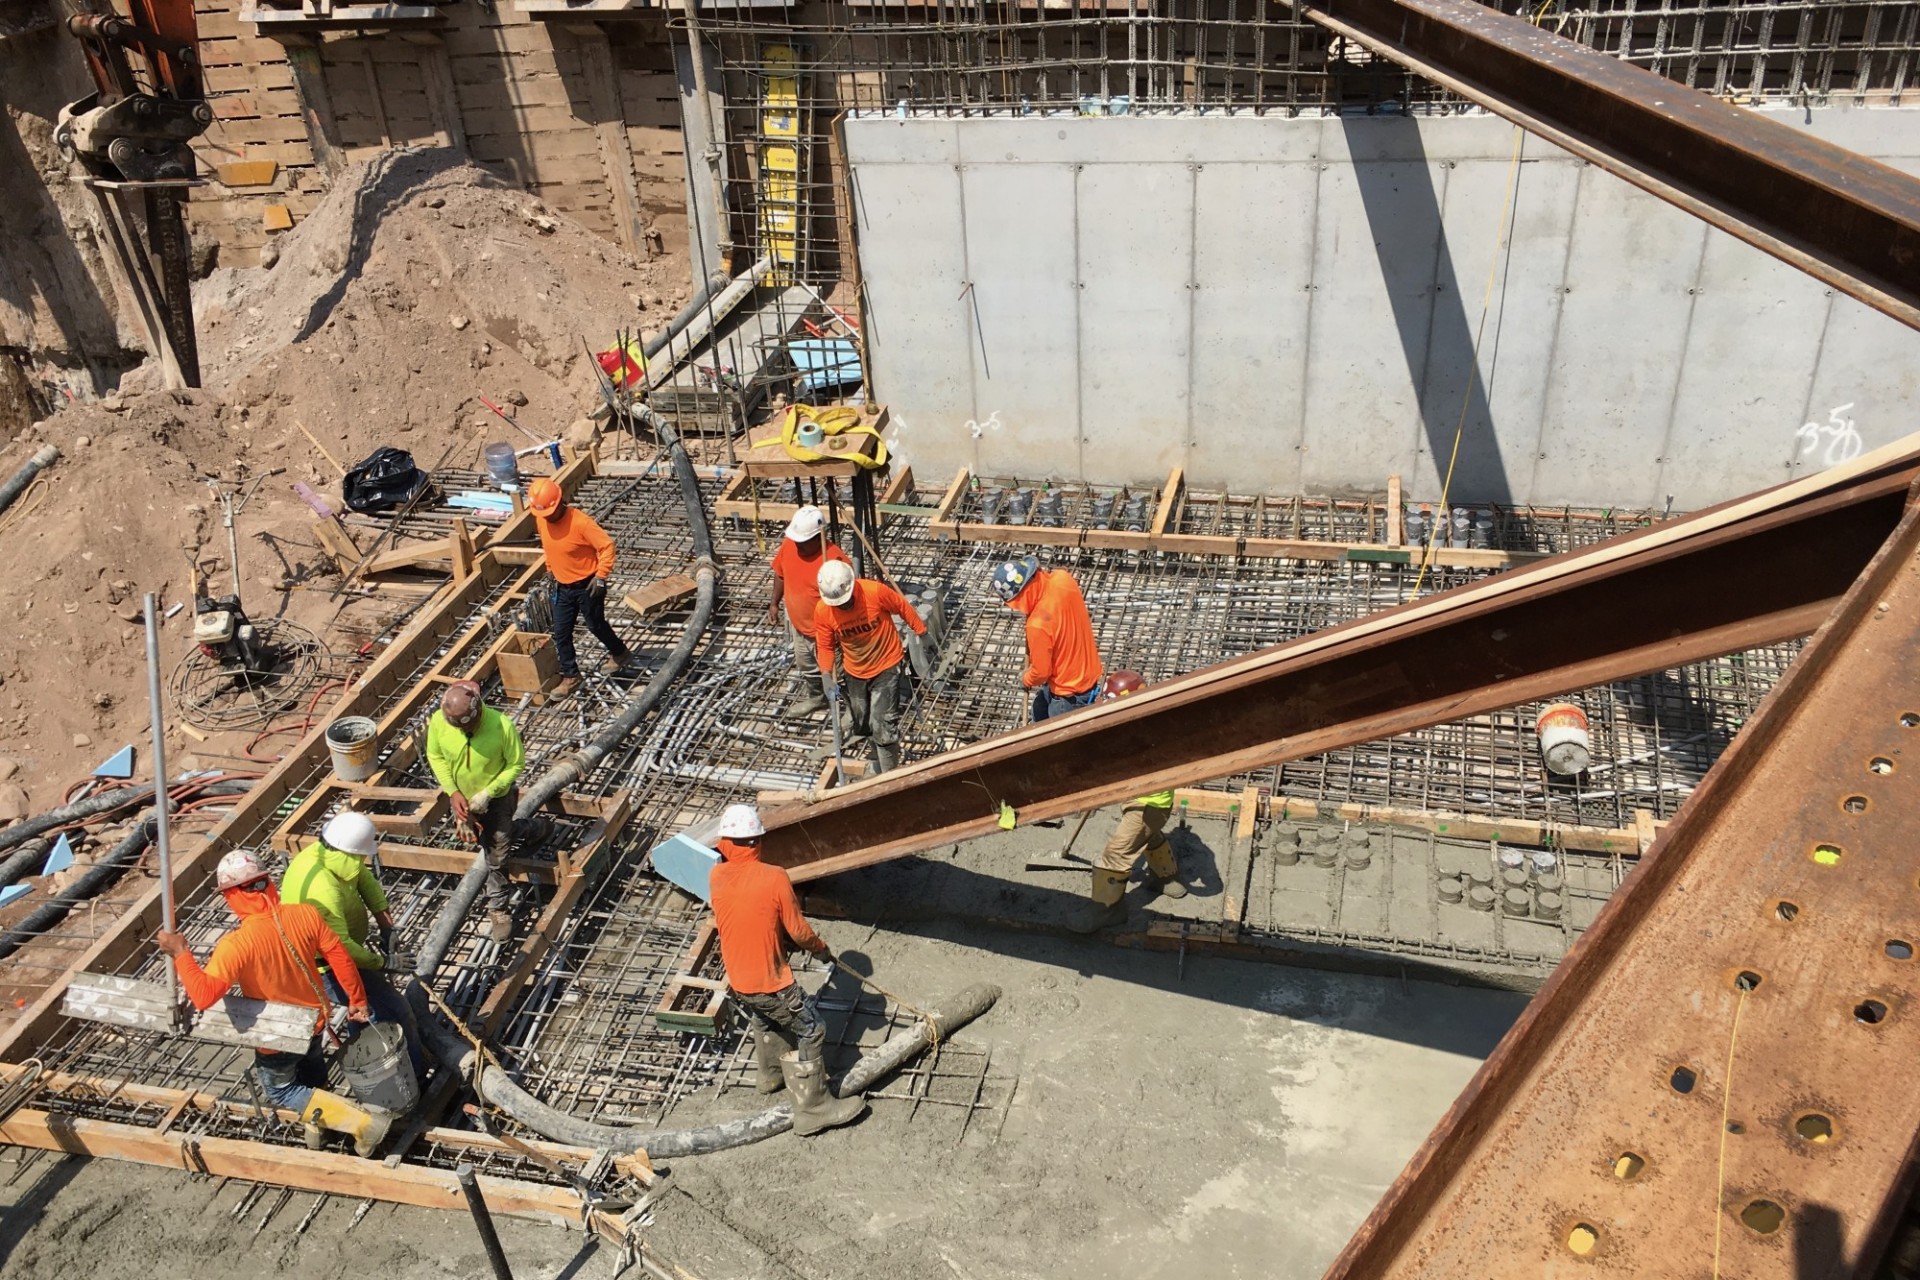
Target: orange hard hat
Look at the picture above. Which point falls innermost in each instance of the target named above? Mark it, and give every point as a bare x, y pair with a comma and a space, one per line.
1122, 683
544, 496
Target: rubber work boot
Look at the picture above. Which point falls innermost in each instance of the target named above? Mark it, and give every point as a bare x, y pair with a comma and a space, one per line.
1163, 871
566, 686
616, 663
886, 756
499, 925
331, 1111
807, 701
767, 1048
1107, 908
814, 1109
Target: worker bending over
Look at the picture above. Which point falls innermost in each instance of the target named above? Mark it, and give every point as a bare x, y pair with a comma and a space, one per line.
796, 568
759, 922
579, 558
270, 957
855, 620
476, 755
1063, 660
1142, 830
334, 875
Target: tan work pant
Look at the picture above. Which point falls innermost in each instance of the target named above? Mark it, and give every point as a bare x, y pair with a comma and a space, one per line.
1140, 831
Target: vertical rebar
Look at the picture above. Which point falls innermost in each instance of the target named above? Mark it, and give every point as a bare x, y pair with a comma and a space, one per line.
160, 818
483, 1222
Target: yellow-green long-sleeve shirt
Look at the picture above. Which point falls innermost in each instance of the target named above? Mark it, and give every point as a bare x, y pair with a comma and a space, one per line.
343, 889
489, 759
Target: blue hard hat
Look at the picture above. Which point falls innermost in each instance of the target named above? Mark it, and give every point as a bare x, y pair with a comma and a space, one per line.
1011, 578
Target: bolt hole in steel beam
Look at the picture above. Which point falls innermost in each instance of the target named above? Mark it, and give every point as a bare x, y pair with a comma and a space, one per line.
1746, 980
1814, 1128
1899, 949
1683, 1079
1827, 855
1786, 911
1910, 719
1763, 1216
1583, 1240
1880, 765
1629, 1165
1735, 1128
1870, 1012
1855, 804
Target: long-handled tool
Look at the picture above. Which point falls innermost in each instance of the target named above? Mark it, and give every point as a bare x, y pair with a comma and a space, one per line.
1065, 860
833, 713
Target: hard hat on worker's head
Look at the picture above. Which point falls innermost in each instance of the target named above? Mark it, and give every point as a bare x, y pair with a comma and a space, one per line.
1011, 578
239, 869
835, 581
352, 833
461, 703
1122, 683
544, 496
741, 822
807, 523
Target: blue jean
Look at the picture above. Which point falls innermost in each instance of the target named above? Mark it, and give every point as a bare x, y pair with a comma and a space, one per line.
571, 602
1047, 703
289, 1079
385, 1004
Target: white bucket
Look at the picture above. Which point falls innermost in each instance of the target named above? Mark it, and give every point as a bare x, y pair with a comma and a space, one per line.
1562, 728
377, 1069
353, 741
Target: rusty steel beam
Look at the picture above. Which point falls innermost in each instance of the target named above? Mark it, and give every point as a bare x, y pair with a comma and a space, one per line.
1748, 573
1717, 1079
1850, 221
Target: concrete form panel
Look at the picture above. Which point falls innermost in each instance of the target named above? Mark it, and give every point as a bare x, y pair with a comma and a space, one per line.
1025, 310
1136, 315
1863, 388
1254, 227
1623, 324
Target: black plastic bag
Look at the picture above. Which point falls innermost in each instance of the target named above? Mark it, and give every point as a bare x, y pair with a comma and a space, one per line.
387, 478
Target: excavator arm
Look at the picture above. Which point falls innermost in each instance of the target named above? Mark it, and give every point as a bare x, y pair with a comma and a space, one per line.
131, 140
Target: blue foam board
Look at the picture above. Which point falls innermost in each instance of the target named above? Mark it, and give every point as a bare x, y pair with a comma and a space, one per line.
118, 765
687, 863
13, 893
59, 858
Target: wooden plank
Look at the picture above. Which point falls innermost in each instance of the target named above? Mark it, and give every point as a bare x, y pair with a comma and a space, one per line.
616, 154
248, 173
1396, 514
437, 77
949, 503
1625, 841
419, 555
1163, 517
658, 595
454, 862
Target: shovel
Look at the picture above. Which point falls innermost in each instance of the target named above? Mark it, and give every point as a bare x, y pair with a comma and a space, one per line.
1065, 859
833, 712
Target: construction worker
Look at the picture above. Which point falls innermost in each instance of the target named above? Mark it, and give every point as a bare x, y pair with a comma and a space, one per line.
1142, 829
796, 568
580, 560
334, 875
759, 922
270, 957
476, 755
1063, 660
854, 619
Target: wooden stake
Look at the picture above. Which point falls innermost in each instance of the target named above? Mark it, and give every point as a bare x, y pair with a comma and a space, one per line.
322, 448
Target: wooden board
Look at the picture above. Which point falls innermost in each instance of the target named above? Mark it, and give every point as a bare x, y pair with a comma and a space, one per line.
660, 594
765, 457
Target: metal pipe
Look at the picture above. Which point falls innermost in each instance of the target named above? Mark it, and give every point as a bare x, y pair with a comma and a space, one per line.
715, 282
157, 714
483, 1222
96, 878
696, 53
582, 762
716, 310
17, 483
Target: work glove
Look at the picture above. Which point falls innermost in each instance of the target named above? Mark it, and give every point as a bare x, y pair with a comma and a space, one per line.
477, 803
827, 957
833, 690
401, 961
597, 588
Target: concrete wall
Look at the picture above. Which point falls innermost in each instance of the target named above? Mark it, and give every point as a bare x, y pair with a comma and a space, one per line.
1291, 305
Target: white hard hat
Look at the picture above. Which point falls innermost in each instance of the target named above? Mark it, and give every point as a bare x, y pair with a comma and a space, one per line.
806, 522
835, 581
239, 867
741, 822
352, 833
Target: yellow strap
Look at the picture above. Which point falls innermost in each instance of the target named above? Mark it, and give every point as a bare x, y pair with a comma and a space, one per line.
833, 420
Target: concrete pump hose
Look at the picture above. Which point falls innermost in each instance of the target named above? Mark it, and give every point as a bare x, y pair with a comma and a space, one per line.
497, 1088
24, 860
17, 483
107, 801
688, 314
93, 881
541, 790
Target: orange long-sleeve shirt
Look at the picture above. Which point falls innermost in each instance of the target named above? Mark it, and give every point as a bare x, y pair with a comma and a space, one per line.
799, 585
255, 958
862, 629
757, 916
1061, 651
576, 547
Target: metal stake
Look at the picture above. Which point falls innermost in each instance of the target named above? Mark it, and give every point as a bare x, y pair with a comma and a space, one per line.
158, 714
489, 1239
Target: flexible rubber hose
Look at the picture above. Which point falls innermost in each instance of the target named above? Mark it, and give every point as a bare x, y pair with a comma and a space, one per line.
105, 802
91, 882
22, 863
17, 483
498, 1088
715, 282
577, 765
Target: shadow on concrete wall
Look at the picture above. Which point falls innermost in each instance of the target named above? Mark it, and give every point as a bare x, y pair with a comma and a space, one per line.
1430, 314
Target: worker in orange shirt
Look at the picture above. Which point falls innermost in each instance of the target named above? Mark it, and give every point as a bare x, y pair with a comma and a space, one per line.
580, 560
759, 922
1063, 660
271, 957
796, 567
855, 620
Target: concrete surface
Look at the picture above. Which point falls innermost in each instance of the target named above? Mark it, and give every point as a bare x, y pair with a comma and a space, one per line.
1290, 306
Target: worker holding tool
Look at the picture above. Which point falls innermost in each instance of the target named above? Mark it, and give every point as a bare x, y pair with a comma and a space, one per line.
476, 755
334, 875
1063, 659
854, 619
270, 957
759, 922
580, 560
796, 569
1141, 830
